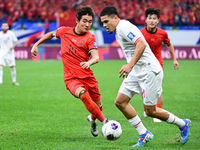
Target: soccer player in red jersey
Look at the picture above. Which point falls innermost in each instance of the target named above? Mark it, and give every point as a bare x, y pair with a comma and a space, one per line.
154, 37
77, 46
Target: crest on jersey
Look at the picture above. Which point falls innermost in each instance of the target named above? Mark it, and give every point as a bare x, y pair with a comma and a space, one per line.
80, 43
131, 36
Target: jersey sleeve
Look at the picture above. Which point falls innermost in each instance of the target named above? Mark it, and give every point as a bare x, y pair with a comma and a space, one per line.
14, 37
131, 34
59, 31
92, 45
166, 38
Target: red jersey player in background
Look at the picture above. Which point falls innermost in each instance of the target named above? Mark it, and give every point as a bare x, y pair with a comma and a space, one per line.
154, 37
77, 46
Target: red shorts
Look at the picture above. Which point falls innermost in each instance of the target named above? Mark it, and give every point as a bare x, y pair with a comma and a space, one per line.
90, 84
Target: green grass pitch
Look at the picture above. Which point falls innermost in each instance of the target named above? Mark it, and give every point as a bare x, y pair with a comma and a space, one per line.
41, 114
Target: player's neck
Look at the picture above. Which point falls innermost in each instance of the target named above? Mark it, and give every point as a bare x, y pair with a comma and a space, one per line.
78, 32
152, 30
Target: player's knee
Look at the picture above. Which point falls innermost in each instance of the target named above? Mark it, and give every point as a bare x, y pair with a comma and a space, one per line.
119, 104
82, 93
150, 112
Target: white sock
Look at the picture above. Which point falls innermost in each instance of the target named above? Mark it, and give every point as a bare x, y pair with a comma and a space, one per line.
175, 120
138, 125
13, 74
1, 74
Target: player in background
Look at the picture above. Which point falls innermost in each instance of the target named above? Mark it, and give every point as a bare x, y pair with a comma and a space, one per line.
154, 37
143, 75
77, 45
8, 41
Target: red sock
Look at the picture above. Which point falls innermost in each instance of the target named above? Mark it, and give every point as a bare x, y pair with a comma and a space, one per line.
92, 116
159, 105
92, 106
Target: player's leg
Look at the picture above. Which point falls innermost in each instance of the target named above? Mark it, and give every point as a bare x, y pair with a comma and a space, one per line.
11, 63
92, 119
90, 105
170, 118
122, 103
1, 74
99, 104
2, 63
159, 105
78, 88
14, 74
153, 89
93, 89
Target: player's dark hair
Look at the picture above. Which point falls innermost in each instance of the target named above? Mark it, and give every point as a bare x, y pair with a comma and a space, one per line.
84, 11
110, 11
4, 22
152, 11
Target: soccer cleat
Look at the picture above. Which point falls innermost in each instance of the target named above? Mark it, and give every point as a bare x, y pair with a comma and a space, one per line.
156, 120
143, 139
185, 131
16, 83
145, 115
94, 128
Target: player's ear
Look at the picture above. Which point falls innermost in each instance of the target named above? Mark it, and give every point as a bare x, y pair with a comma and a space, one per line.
77, 21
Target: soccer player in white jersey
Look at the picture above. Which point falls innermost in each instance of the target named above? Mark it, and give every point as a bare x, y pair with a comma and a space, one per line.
143, 74
8, 41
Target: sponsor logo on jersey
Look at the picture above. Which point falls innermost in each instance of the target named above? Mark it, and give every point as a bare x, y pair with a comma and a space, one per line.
131, 36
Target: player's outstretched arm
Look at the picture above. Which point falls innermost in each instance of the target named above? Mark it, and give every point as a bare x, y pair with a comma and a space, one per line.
46, 37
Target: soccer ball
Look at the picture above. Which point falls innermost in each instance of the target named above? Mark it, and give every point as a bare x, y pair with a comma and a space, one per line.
111, 130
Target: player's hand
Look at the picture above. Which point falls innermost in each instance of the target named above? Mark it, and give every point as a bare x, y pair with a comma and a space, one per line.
176, 65
85, 65
34, 51
124, 71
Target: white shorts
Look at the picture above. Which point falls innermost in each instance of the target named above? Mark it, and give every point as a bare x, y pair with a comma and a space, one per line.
7, 61
149, 84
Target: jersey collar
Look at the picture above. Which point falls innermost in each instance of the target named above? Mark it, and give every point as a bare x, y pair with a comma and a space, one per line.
151, 32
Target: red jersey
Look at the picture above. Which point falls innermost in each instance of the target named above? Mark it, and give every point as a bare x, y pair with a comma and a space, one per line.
155, 41
75, 49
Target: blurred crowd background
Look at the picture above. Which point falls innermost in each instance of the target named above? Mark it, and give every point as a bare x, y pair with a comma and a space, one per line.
173, 12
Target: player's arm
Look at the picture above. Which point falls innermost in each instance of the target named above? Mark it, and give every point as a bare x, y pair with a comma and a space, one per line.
14, 45
171, 51
94, 59
140, 47
46, 37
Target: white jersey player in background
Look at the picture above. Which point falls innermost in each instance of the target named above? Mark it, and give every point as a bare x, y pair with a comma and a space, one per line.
8, 41
143, 75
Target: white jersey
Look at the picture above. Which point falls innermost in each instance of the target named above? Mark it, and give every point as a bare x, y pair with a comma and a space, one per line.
127, 36
6, 41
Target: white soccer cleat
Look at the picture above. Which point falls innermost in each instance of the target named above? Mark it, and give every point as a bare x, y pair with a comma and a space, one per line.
145, 115
94, 128
156, 120
16, 83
